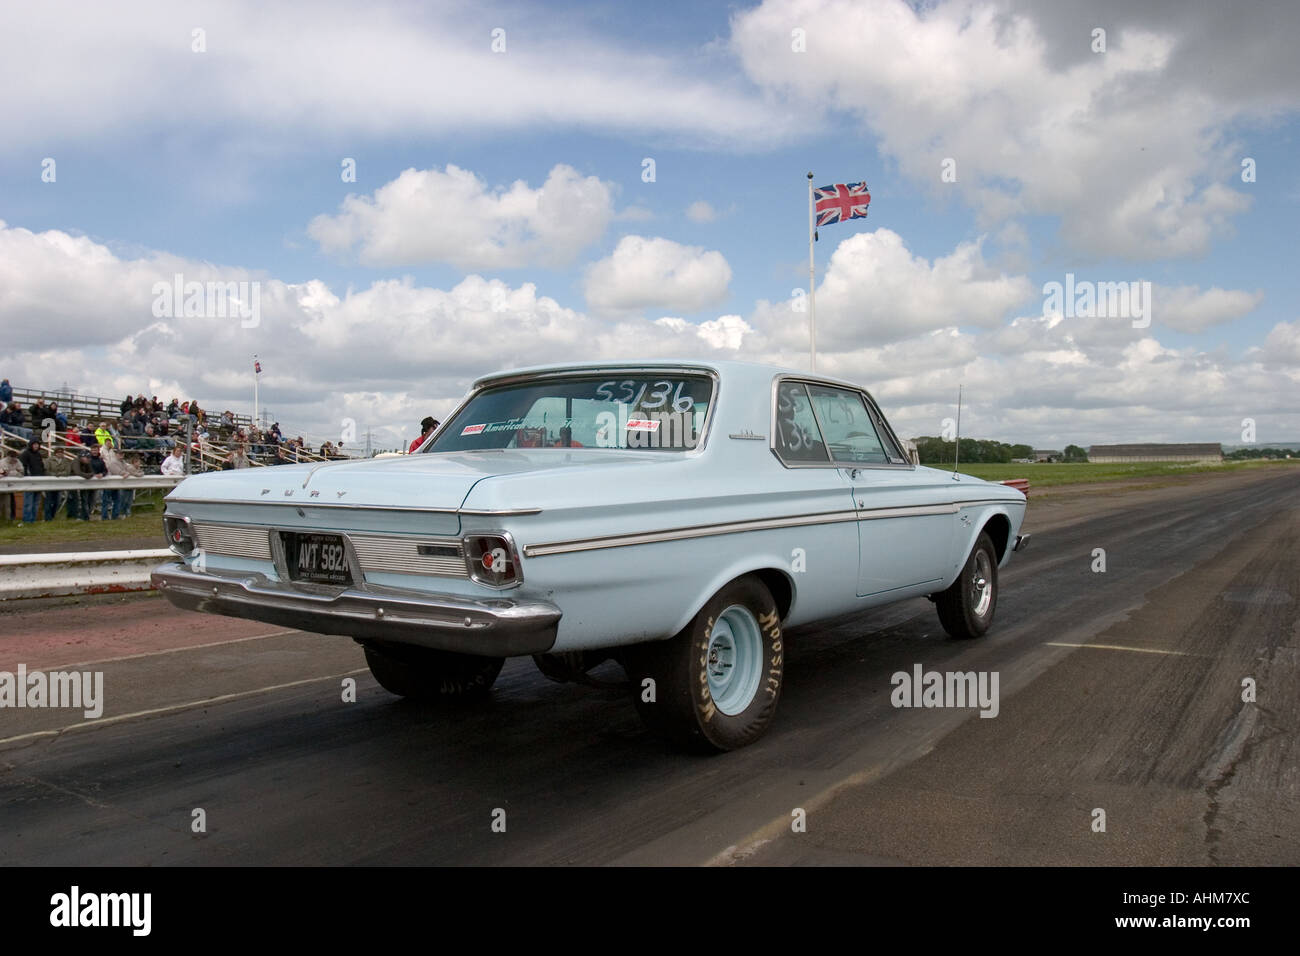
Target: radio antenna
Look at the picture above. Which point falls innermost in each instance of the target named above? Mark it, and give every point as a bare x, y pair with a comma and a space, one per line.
956, 455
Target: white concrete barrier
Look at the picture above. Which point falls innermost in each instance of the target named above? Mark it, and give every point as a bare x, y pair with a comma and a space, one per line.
55, 483
77, 572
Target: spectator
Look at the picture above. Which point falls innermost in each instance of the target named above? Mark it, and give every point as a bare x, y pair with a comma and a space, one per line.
57, 466
238, 457
127, 404
87, 435
10, 467
117, 500
6, 392
80, 502
60, 419
102, 435
100, 471
280, 457
173, 408
13, 416
428, 425
33, 467
174, 464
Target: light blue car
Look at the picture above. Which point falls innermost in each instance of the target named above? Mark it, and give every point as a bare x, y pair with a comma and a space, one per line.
674, 516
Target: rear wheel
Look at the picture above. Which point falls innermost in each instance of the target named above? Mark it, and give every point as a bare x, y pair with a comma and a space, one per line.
422, 673
966, 608
715, 686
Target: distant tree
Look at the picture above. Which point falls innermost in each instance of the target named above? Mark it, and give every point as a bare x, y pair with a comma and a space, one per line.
1243, 454
1075, 453
936, 451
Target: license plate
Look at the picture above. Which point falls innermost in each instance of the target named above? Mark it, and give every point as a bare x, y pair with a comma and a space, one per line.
317, 558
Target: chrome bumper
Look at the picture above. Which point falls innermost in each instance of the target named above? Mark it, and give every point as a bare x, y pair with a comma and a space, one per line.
493, 627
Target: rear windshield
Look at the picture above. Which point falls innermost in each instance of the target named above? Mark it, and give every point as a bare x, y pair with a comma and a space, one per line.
641, 412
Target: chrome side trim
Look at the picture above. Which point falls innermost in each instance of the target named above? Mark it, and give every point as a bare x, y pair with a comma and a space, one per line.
732, 527
910, 511
491, 512
311, 504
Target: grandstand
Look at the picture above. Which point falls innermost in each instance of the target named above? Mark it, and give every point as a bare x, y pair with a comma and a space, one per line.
146, 453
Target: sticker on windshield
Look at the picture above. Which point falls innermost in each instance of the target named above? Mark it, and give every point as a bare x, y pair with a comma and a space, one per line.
642, 425
472, 429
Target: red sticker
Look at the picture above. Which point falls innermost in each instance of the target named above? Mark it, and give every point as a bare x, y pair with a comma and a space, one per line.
642, 425
472, 429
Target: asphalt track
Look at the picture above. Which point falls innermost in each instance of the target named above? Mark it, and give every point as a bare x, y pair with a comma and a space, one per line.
1119, 691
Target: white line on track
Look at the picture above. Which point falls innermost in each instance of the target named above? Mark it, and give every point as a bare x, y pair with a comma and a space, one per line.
173, 708
1120, 647
175, 650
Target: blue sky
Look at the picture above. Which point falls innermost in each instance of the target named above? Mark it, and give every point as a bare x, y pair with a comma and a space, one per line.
499, 215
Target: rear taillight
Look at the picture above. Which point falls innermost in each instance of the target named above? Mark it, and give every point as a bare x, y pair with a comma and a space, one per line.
179, 535
492, 560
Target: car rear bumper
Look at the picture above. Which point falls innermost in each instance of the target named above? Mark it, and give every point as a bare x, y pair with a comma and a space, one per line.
493, 627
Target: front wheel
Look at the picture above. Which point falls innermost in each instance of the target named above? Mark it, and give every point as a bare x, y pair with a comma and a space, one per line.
966, 608
423, 673
715, 686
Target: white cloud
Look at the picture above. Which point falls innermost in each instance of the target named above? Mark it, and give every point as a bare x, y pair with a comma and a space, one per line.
1124, 146
876, 291
452, 216
274, 76
1282, 347
390, 353
701, 211
1188, 309
646, 273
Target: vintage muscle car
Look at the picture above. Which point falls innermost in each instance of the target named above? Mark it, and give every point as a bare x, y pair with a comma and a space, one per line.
673, 516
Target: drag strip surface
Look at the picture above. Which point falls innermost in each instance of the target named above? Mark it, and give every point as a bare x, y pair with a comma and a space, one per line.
1118, 690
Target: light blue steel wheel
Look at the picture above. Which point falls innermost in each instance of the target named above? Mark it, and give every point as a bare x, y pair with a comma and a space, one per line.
735, 660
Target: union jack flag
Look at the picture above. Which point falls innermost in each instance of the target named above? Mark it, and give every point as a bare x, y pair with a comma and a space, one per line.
841, 201
257, 367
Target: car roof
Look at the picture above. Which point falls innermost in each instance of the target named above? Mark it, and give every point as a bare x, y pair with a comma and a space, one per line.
724, 368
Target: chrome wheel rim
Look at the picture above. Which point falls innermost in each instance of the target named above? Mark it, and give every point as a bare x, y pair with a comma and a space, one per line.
734, 660
981, 586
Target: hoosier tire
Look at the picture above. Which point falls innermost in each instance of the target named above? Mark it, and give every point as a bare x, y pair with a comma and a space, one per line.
422, 673
716, 684
966, 608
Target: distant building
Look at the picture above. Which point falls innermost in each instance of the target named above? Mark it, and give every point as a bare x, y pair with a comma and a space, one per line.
1114, 454
1048, 454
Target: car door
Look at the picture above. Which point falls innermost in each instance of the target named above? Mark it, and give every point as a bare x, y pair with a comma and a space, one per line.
905, 523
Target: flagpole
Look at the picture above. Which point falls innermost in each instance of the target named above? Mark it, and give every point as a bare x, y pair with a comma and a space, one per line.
812, 284
255, 377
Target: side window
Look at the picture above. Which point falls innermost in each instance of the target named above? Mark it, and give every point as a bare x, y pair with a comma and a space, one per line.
847, 425
797, 437
890, 442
